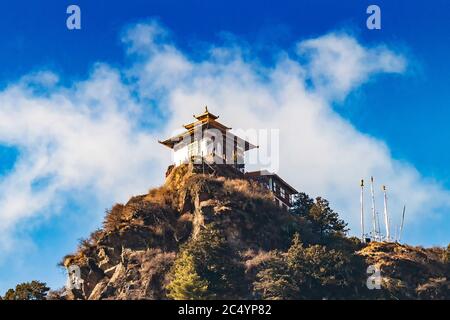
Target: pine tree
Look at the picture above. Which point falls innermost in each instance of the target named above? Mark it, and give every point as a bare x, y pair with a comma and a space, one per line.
217, 263
34, 290
302, 204
186, 284
10, 295
283, 276
295, 254
313, 272
214, 263
274, 281
325, 221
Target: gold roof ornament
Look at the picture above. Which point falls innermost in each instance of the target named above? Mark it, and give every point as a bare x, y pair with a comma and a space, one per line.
206, 115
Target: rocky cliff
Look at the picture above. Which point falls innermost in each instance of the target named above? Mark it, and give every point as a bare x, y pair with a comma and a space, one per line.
133, 255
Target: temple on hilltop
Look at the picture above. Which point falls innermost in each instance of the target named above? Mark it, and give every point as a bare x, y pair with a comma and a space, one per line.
207, 142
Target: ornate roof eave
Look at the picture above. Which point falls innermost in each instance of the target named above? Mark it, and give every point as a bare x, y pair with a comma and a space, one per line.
171, 142
205, 120
212, 123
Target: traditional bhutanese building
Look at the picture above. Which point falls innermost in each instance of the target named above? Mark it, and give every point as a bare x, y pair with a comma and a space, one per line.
282, 191
206, 140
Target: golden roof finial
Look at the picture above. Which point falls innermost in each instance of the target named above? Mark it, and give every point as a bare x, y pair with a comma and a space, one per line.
206, 115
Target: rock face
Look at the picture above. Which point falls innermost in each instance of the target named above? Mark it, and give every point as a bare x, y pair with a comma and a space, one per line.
131, 256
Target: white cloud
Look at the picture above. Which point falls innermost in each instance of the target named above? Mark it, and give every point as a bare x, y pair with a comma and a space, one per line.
85, 138
338, 63
89, 137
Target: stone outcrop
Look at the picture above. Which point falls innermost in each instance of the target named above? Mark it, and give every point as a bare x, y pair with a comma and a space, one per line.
130, 257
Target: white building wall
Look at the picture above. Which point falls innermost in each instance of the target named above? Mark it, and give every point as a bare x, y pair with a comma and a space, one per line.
205, 147
180, 155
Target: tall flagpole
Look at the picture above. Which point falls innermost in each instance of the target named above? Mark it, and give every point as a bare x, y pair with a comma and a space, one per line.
401, 225
362, 210
373, 209
386, 217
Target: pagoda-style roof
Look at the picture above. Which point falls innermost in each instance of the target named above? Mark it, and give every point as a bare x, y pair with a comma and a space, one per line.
206, 115
209, 118
205, 120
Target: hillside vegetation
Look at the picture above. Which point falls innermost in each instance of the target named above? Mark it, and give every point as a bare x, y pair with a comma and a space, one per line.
203, 236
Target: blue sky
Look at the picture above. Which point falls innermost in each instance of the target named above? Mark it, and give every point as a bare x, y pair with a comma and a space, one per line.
407, 111
36, 37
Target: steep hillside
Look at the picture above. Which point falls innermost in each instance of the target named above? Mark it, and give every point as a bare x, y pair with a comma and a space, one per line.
221, 236
410, 272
